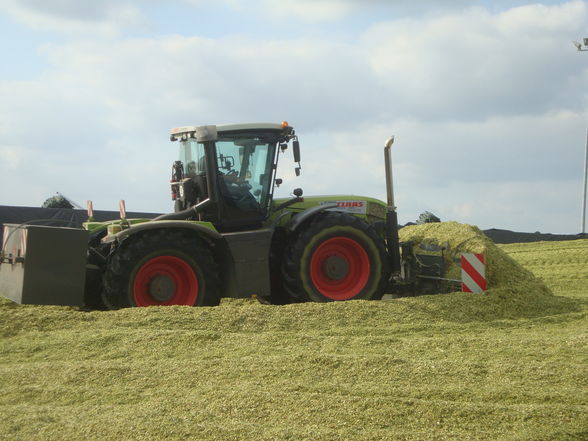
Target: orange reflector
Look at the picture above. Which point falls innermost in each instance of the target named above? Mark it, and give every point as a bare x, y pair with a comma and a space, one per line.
284, 124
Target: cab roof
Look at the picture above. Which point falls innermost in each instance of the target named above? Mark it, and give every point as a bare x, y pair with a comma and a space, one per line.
231, 127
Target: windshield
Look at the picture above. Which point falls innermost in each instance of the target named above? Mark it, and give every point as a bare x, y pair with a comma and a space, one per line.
246, 162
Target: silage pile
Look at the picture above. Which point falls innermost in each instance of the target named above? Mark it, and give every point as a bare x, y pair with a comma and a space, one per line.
513, 291
502, 271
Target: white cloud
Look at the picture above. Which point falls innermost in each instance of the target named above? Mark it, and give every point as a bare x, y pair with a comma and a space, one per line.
542, 205
474, 64
463, 211
311, 10
522, 173
482, 104
333, 10
12, 156
104, 17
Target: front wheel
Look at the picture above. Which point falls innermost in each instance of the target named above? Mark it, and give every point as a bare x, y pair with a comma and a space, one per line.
161, 268
336, 257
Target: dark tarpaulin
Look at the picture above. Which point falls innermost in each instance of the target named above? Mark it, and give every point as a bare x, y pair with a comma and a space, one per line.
506, 236
58, 217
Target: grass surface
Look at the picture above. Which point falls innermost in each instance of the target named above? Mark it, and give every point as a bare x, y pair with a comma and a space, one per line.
446, 367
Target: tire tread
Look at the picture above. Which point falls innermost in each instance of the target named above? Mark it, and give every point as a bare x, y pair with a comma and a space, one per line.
123, 260
291, 264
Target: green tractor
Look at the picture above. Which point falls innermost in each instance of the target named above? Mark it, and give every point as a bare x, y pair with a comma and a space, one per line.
227, 237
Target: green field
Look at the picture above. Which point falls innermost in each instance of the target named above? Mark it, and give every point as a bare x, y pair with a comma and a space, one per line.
508, 365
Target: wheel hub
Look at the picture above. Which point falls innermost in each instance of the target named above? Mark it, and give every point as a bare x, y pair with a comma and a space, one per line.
162, 288
340, 268
336, 267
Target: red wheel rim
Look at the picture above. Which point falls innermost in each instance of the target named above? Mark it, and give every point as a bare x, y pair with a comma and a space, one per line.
165, 280
340, 268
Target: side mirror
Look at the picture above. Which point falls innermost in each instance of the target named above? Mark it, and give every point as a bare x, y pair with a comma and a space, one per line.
296, 150
297, 192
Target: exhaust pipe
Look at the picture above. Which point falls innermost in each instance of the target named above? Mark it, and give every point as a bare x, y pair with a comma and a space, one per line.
391, 215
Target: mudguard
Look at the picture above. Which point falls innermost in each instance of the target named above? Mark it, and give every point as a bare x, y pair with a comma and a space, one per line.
299, 219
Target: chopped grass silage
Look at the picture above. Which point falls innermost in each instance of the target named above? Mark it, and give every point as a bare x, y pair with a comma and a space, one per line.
447, 367
513, 291
502, 270
563, 266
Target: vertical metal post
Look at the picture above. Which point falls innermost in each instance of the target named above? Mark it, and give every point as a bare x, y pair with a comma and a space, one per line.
583, 226
391, 216
388, 167
585, 186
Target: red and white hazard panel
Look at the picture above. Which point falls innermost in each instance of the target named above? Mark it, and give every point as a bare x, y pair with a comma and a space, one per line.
473, 273
90, 209
123, 209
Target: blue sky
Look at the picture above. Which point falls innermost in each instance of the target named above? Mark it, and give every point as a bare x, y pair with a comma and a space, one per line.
487, 100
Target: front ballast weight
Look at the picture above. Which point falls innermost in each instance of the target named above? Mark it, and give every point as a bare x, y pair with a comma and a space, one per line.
41, 265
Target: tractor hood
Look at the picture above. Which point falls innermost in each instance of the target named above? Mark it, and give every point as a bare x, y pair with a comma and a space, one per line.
361, 206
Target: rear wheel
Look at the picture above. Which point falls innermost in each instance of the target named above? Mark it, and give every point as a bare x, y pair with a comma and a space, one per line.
161, 268
337, 257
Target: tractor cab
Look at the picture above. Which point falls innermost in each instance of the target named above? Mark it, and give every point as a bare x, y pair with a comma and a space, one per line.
226, 174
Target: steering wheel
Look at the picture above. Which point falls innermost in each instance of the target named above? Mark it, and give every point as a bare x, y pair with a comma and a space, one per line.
233, 179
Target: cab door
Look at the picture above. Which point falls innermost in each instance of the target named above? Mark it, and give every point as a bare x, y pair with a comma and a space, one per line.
245, 168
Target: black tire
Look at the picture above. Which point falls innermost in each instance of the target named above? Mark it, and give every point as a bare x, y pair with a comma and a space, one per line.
161, 268
93, 298
336, 256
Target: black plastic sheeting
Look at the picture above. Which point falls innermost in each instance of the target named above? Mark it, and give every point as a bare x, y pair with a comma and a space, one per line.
506, 236
58, 217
